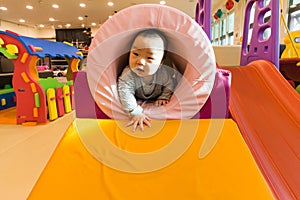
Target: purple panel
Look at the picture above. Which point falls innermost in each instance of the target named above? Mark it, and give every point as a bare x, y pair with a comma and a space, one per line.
260, 48
85, 106
217, 105
203, 16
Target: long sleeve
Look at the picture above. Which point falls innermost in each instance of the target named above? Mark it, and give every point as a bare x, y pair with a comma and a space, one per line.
126, 89
168, 82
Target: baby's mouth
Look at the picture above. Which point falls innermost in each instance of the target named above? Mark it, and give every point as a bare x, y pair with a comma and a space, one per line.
140, 69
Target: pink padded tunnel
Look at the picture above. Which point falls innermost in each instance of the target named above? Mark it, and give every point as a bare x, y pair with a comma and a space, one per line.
188, 47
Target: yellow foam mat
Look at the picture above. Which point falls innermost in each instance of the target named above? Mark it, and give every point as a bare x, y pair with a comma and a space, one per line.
100, 159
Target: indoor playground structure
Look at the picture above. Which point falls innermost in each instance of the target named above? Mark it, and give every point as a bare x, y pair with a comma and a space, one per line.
38, 100
290, 59
217, 138
7, 97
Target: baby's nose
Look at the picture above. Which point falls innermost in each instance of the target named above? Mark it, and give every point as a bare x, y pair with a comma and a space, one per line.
142, 61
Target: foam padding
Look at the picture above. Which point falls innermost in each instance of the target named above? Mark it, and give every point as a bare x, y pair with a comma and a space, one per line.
75, 172
188, 46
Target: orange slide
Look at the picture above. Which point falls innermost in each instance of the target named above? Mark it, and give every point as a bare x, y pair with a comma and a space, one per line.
267, 111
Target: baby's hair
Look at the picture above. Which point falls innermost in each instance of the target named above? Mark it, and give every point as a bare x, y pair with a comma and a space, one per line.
154, 33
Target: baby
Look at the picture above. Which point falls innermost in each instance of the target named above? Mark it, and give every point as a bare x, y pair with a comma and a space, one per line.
146, 78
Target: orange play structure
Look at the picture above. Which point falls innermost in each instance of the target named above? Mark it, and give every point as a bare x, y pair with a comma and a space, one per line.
252, 155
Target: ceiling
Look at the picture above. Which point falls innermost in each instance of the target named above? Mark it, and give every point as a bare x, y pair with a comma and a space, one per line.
96, 11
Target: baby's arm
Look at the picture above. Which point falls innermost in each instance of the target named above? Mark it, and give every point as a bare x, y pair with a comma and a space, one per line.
126, 89
167, 90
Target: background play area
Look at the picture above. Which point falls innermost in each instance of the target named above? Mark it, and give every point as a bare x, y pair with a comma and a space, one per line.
47, 108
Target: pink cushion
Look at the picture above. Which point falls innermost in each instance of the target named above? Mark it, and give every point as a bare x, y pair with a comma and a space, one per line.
189, 47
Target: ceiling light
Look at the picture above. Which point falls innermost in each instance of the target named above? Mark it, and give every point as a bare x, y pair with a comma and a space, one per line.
162, 2
59, 26
82, 5
110, 3
29, 7
41, 25
55, 6
109, 16
68, 25
22, 20
82, 25
80, 18
51, 19
3, 8
93, 24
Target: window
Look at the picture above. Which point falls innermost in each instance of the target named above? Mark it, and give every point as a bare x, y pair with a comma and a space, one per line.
215, 34
294, 15
223, 30
295, 2
230, 28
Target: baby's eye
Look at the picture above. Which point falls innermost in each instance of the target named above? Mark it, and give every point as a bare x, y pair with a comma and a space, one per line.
150, 58
136, 54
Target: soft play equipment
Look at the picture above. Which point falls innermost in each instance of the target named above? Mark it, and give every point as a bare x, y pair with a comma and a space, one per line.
265, 106
292, 49
203, 16
7, 97
31, 98
60, 97
260, 47
192, 58
290, 58
195, 65
178, 157
7, 93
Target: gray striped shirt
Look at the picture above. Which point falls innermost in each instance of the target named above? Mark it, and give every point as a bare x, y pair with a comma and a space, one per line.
132, 88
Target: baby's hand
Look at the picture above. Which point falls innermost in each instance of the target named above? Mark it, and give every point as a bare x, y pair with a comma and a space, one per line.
139, 120
161, 102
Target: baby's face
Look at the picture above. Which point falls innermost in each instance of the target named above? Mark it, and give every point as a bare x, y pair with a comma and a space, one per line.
146, 55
